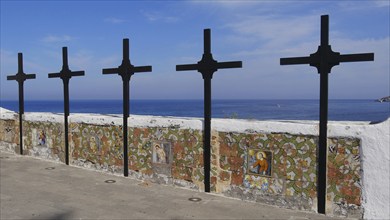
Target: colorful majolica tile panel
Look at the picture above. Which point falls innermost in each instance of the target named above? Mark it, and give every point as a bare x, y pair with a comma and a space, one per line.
260, 162
8, 131
344, 171
97, 144
44, 139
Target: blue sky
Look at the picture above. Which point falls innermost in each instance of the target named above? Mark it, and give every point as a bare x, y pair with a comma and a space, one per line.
166, 33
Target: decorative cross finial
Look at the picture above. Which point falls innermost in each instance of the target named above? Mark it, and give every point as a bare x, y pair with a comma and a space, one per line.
207, 66
126, 70
20, 77
324, 59
65, 74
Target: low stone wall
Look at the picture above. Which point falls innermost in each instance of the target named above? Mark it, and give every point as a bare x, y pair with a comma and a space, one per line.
263, 161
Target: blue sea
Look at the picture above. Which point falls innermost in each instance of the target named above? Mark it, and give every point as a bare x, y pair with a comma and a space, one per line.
339, 110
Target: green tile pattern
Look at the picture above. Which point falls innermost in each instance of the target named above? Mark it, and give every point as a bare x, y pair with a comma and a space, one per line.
44, 139
344, 172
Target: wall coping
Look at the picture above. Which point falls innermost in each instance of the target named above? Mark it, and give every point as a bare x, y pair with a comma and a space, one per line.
298, 127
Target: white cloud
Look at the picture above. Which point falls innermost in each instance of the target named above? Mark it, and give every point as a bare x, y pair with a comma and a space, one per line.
31, 65
230, 3
57, 38
363, 5
276, 28
263, 39
382, 3
7, 58
240, 4
114, 20
157, 16
269, 34
9, 63
81, 59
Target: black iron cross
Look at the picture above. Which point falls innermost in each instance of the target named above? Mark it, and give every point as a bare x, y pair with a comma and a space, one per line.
207, 66
20, 77
65, 74
324, 59
126, 70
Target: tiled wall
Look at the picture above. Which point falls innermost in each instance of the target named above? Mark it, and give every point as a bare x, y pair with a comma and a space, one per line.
9, 135
172, 155
44, 139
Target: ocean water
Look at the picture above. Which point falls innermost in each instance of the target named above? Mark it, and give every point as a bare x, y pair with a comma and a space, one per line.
339, 110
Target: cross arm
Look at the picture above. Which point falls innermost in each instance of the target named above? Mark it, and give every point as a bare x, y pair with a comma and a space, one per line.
11, 77
221, 65
30, 76
110, 71
21, 77
357, 57
54, 75
69, 74
294, 60
186, 67
138, 69
226, 65
78, 73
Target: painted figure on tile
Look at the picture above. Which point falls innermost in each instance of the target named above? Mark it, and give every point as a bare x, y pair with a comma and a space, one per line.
161, 156
161, 152
259, 162
41, 138
92, 144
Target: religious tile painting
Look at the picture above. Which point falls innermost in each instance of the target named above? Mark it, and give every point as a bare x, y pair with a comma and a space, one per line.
259, 162
41, 137
161, 152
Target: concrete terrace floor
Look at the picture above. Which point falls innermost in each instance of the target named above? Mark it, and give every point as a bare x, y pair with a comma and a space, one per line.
37, 189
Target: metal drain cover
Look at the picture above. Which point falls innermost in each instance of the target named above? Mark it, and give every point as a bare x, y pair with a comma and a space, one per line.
195, 199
